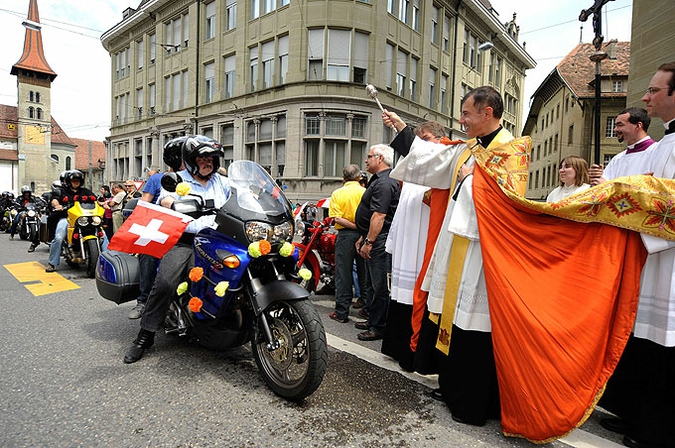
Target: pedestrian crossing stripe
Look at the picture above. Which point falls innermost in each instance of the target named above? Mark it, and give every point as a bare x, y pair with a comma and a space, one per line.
33, 276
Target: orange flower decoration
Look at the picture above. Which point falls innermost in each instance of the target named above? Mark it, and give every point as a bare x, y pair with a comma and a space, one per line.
265, 247
196, 274
195, 304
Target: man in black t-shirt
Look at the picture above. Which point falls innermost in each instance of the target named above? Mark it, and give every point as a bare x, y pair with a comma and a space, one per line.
373, 219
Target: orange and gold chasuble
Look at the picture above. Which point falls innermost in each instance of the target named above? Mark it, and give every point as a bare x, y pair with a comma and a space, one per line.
562, 292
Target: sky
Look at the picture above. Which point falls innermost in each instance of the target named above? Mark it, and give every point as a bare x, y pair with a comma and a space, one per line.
71, 31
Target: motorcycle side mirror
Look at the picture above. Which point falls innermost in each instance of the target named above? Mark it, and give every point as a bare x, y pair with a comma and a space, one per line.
170, 180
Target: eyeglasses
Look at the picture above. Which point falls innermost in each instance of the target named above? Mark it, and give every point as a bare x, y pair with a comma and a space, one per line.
653, 90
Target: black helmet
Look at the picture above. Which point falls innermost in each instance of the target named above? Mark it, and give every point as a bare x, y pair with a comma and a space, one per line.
26, 189
57, 184
63, 177
201, 146
74, 174
173, 153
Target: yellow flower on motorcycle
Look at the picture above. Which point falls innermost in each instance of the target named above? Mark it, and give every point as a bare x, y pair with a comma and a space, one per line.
196, 274
182, 288
195, 304
221, 288
254, 249
305, 274
286, 249
182, 189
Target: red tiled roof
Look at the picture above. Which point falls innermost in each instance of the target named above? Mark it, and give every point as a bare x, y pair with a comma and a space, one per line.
33, 57
82, 153
578, 70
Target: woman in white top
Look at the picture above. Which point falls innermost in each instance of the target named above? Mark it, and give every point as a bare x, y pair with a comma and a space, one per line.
573, 178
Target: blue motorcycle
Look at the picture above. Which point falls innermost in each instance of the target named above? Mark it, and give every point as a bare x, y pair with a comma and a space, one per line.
243, 284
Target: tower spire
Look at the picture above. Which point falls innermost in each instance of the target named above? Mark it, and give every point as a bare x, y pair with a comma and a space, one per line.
33, 58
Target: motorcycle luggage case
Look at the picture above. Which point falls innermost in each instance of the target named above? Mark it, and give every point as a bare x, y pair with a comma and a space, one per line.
118, 276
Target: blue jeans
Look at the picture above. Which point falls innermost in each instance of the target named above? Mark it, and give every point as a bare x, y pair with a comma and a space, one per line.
345, 256
59, 235
172, 271
15, 222
378, 273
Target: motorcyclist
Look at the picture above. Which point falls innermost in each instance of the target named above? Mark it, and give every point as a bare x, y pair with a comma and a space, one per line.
54, 216
6, 201
201, 157
73, 180
21, 202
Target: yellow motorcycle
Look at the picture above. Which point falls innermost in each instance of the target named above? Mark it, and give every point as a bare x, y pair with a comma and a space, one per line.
85, 234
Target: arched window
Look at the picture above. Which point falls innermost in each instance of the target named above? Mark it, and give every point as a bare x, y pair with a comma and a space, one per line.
37, 97
67, 162
31, 112
39, 113
55, 158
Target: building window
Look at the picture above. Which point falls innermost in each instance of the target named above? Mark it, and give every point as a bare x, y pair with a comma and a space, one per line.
230, 76
177, 34
210, 31
268, 64
401, 73
446, 34
227, 141
416, 15
139, 103
432, 88
339, 45
332, 142
444, 94
434, 25
283, 59
609, 128
253, 68
230, 14
266, 144
153, 50
140, 53
391, 6
617, 86
567, 104
31, 112
361, 43
55, 158
315, 54
209, 82
498, 72
404, 11
39, 113
151, 97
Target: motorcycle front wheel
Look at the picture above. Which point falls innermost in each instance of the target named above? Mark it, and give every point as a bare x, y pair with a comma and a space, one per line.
91, 252
296, 368
33, 232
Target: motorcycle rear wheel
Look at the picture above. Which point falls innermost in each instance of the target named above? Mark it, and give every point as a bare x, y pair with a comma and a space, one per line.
91, 251
295, 369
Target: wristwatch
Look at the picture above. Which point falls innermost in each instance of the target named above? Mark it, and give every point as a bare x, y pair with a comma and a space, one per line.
367, 241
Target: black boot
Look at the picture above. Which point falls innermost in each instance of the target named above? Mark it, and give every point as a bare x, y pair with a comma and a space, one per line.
144, 340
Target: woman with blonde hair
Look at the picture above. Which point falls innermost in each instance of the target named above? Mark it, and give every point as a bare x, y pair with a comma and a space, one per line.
573, 178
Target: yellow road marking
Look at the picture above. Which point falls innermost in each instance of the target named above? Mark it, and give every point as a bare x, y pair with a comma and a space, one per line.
37, 281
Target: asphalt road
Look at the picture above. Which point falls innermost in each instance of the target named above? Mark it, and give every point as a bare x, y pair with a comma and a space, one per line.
63, 383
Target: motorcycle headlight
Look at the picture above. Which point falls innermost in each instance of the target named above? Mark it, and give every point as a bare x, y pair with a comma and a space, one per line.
256, 231
96, 220
282, 232
13, 213
31, 213
83, 221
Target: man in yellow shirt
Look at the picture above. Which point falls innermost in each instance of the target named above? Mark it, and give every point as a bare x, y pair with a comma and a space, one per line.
343, 204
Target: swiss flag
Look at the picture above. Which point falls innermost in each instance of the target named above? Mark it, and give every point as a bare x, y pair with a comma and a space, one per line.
150, 229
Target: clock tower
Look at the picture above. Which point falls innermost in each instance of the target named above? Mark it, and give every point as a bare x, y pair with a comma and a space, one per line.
34, 127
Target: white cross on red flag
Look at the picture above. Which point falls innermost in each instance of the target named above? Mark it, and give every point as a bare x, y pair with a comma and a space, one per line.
150, 229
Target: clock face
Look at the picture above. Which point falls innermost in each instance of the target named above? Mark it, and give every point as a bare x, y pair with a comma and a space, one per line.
33, 135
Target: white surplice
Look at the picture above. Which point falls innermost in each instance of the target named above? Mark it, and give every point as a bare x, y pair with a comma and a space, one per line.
406, 241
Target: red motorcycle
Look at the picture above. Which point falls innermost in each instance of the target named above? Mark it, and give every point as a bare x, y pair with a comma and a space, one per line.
317, 253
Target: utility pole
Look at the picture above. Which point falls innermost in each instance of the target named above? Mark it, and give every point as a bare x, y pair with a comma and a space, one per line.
598, 56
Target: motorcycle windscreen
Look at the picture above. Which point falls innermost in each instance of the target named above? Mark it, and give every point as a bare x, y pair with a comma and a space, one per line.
256, 192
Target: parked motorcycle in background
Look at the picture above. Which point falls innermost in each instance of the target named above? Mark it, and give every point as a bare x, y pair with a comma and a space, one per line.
240, 287
317, 253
